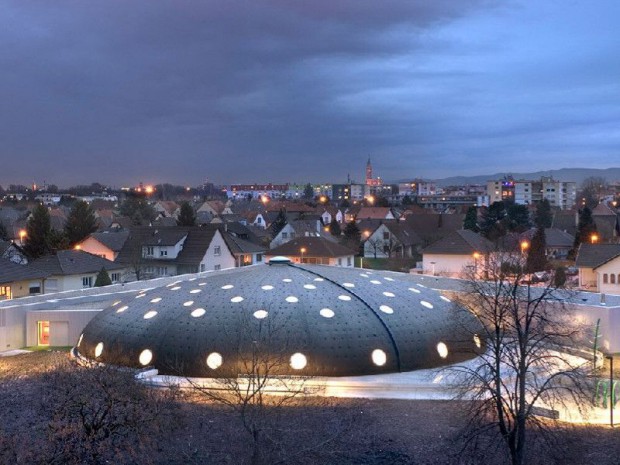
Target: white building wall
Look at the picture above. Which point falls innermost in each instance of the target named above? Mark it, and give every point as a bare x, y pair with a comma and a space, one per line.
445, 264
221, 261
609, 269
76, 320
94, 247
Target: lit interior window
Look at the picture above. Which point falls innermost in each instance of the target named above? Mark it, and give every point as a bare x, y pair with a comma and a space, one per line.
292, 299
309, 286
195, 291
476, 341
228, 286
445, 298
327, 313
442, 350
375, 281
260, 314
155, 300
426, 304
214, 360
378, 357
198, 312
150, 314
386, 309
99, 349
80, 339
318, 280
237, 299
346, 298
348, 284
145, 357
413, 289
189, 303
267, 287
175, 288
388, 294
298, 361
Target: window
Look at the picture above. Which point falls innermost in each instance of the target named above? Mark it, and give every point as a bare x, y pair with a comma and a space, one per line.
386, 235
115, 277
259, 257
605, 278
43, 333
5, 292
348, 261
339, 261
217, 250
163, 253
149, 251
284, 235
217, 267
203, 267
612, 279
34, 288
259, 220
87, 281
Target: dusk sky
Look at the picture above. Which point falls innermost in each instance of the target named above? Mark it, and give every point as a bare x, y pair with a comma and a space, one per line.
121, 91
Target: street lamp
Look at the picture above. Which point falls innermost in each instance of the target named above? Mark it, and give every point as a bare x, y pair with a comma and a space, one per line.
22, 235
303, 251
593, 238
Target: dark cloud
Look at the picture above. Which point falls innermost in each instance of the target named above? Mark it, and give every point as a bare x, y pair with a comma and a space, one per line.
238, 91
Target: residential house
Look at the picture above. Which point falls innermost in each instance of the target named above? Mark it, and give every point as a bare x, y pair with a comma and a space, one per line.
167, 208
607, 225
599, 267
392, 239
19, 280
375, 213
69, 270
295, 229
153, 252
450, 255
245, 252
434, 226
105, 244
314, 250
558, 243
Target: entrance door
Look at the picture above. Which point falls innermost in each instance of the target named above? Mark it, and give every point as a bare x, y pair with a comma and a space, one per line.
43, 333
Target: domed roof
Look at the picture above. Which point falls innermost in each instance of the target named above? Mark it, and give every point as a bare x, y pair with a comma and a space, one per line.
308, 320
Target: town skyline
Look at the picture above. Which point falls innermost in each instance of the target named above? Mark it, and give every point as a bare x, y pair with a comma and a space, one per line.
269, 91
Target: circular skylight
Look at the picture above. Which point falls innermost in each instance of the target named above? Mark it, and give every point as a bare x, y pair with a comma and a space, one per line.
291, 299
386, 309
442, 350
378, 357
237, 299
214, 360
150, 314
99, 349
327, 313
198, 312
145, 357
298, 361
261, 314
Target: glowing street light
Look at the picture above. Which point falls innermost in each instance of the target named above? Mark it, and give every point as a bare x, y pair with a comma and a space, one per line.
22, 235
593, 238
524, 246
149, 190
303, 251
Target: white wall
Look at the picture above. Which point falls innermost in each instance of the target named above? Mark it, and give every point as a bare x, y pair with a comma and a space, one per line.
95, 247
76, 320
446, 264
612, 267
210, 260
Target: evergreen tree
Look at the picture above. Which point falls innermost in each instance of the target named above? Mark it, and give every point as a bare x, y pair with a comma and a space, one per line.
278, 223
38, 231
518, 218
492, 225
585, 229
559, 279
57, 240
308, 192
187, 217
406, 201
543, 216
471, 219
80, 223
334, 228
103, 278
352, 236
537, 257
139, 210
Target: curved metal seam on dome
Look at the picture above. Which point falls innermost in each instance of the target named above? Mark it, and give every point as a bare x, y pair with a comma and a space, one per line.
372, 310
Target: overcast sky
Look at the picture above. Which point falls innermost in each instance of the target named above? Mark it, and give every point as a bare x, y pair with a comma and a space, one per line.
121, 91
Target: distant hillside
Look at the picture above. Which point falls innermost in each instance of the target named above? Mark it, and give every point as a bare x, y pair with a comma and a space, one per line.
564, 174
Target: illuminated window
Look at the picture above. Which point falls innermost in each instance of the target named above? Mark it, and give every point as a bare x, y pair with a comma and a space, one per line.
43, 333
5, 292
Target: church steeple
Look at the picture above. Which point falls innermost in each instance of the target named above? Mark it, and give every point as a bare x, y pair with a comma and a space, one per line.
368, 170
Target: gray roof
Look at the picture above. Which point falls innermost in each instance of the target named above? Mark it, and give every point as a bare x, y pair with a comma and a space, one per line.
241, 246
316, 246
11, 272
112, 240
69, 262
461, 242
595, 255
335, 321
565, 220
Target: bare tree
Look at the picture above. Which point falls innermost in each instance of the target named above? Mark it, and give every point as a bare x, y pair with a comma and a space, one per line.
257, 387
528, 361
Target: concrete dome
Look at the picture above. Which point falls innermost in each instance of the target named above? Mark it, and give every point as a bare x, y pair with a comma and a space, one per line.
310, 320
